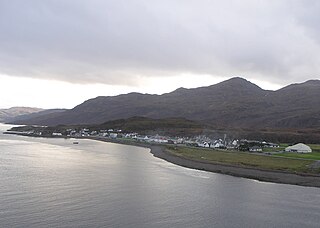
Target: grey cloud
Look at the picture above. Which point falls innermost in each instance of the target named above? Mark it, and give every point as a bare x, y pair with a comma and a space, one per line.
115, 42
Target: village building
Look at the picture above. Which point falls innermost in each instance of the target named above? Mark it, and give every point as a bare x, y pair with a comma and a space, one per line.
218, 144
299, 148
113, 135
255, 149
204, 144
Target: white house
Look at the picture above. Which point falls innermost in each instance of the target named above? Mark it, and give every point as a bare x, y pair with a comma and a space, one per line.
113, 135
204, 144
255, 149
218, 145
299, 148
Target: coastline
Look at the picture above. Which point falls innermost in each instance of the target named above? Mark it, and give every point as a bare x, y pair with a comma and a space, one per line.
280, 177
273, 176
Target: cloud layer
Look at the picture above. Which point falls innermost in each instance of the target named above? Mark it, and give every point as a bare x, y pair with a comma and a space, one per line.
120, 42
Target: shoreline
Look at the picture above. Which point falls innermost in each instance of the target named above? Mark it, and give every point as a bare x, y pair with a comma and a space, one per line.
273, 176
279, 177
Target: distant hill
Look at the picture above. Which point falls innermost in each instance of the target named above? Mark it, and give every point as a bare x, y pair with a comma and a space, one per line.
235, 103
36, 116
7, 114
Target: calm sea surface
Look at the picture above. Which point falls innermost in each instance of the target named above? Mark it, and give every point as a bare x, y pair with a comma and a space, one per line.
55, 183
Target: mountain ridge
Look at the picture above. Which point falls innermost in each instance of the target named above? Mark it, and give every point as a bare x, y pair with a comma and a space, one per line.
234, 103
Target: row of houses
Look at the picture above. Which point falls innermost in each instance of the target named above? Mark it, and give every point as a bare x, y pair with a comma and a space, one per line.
198, 141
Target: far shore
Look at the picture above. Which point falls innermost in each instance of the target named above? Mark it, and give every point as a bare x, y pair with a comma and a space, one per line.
274, 176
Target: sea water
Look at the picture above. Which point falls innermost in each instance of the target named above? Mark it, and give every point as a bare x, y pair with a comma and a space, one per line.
55, 183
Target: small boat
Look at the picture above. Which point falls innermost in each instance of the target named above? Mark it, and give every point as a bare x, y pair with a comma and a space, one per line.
75, 142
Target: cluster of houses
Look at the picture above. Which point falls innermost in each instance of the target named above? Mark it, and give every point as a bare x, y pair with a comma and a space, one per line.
198, 141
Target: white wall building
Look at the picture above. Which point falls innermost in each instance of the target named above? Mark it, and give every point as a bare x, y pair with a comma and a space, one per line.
299, 148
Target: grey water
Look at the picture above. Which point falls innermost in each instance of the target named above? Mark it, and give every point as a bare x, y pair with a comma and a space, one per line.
55, 183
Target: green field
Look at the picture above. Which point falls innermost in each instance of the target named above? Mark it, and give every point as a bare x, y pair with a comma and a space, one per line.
315, 147
243, 159
315, 155
312, 156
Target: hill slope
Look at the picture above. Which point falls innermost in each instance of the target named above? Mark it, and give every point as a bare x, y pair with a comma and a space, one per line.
235, 103
36, 116
7, 114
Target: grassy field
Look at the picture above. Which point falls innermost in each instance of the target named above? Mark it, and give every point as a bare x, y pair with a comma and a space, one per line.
315, 147
312, 156
243, 159
315, 155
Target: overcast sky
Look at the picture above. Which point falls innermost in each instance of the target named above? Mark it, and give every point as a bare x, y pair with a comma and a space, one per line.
57, 53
